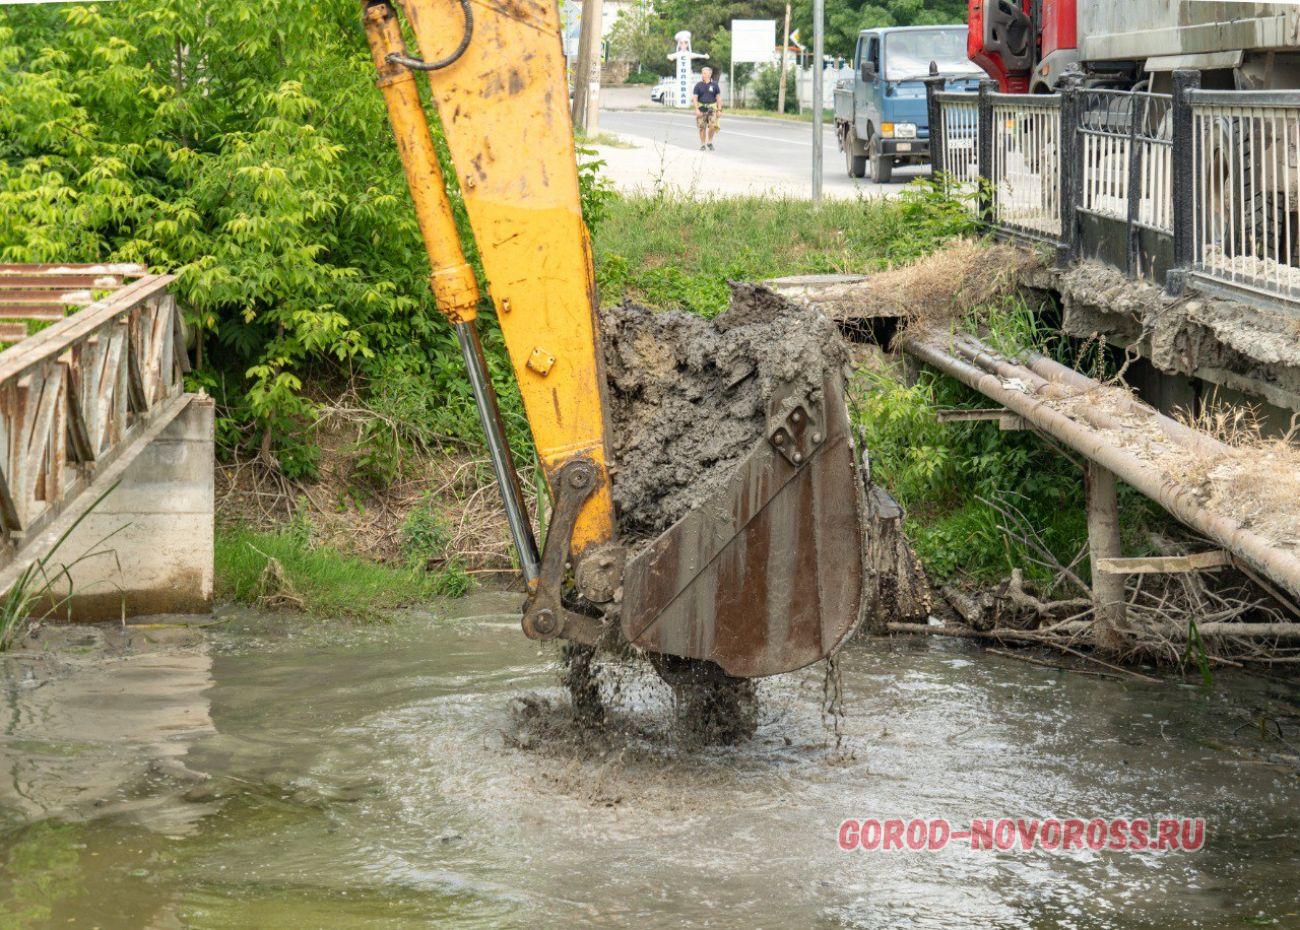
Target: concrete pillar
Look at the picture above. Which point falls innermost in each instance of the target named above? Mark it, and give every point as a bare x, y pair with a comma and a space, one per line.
147, 548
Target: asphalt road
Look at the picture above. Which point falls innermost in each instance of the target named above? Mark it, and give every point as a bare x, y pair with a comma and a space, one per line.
772, 146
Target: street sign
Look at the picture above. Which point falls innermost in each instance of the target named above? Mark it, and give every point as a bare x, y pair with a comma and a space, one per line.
753, 41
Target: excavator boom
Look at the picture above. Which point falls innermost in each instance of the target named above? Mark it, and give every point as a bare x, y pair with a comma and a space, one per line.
753, 580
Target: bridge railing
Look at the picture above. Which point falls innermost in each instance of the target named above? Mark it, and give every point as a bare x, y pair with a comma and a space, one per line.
1198, 184
1246, 146
84, 390
1025, 163
1127, 152
958, 161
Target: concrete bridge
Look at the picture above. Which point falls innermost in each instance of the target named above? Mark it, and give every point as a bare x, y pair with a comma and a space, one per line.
106, 485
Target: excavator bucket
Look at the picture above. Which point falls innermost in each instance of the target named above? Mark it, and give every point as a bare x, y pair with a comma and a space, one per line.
766, 575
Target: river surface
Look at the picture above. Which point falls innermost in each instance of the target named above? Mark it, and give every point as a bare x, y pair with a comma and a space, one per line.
272, 772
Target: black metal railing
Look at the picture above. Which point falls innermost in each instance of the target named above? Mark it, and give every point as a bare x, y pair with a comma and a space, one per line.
1193, 184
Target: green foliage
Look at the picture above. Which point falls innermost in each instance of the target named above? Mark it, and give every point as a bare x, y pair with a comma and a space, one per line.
949, 476
320, 580
846, 18
673, 253
767, 90
245, 149
644, 38
710, 23
425, 535
597, 193
930, 215
944, 474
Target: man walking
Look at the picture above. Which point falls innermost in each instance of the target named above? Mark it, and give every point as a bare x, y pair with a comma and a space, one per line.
707, 100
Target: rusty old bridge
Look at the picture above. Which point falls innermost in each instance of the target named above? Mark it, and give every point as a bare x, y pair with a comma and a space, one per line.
105, 460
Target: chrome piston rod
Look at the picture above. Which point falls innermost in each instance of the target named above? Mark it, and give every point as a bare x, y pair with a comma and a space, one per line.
503, 466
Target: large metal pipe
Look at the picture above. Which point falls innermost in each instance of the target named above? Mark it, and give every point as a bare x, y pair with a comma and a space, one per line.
1180, 433
489, 416
1254, 550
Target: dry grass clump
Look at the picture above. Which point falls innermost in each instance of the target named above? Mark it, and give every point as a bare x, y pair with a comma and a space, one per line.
938, 288
1257, 478
943, 286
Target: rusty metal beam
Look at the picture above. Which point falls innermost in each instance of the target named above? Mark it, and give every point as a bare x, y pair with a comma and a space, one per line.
1007, 421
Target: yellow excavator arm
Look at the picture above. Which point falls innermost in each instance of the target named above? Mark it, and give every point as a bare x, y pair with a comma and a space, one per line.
504, 109
754, 579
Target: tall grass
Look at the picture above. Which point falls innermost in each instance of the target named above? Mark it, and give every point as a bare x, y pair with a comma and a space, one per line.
673, 253
32, 597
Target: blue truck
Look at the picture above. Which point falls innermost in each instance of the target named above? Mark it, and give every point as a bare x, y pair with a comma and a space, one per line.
880, 113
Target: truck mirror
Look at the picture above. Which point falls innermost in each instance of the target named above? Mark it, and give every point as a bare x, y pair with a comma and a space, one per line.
868, 72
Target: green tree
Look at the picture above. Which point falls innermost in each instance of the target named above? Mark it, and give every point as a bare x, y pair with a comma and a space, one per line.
240, 144
710, 23
846, 18
641, 36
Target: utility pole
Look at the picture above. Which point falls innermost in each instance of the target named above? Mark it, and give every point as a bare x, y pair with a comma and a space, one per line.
785, 52
818, 105
586, 78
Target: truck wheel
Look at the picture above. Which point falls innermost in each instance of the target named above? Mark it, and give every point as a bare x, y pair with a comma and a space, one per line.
882, 169
856, 164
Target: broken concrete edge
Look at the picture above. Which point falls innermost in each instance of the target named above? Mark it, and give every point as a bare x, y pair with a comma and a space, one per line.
148, 547
1225, 342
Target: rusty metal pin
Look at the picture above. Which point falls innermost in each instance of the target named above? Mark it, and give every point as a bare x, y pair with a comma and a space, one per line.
544, 621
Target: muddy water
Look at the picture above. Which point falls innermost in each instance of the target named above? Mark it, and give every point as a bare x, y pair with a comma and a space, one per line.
263, 773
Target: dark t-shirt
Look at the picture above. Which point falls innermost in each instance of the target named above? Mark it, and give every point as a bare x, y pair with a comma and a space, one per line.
707, 93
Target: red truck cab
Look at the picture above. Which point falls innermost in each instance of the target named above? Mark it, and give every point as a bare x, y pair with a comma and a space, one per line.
1023, 44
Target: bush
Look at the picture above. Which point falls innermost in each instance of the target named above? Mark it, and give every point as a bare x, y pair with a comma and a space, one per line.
767, 87
256, 164
425, 535
643, 77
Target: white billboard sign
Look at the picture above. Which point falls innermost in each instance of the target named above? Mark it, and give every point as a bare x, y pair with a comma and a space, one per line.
753, 40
